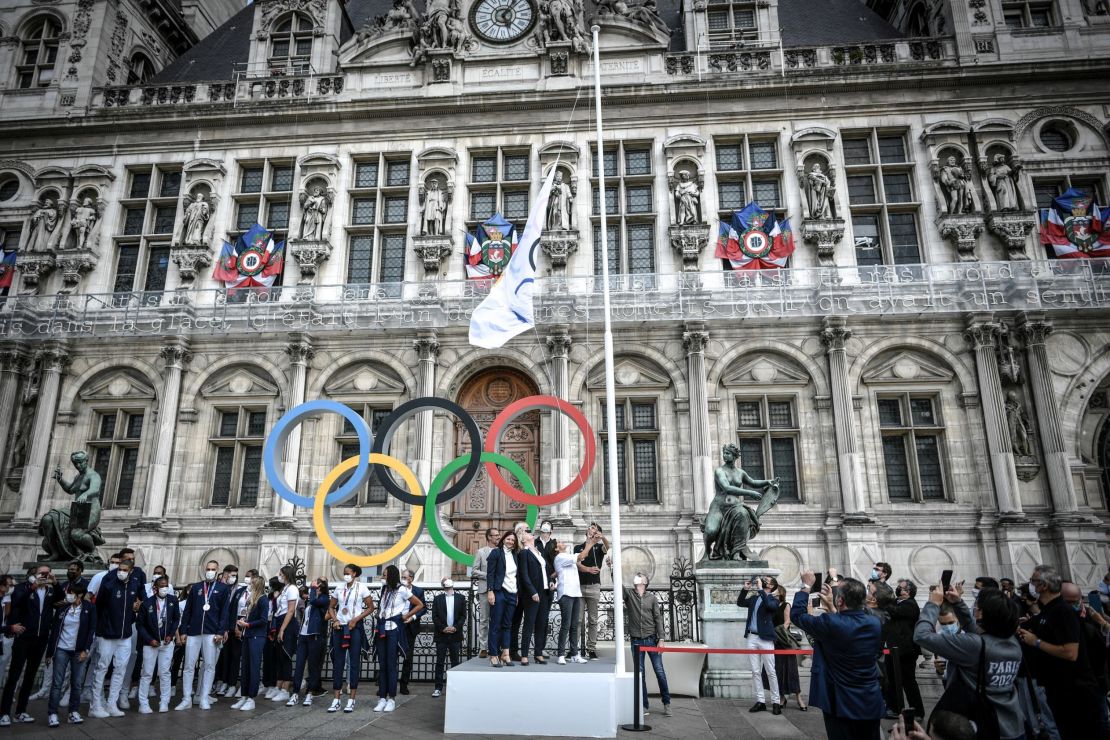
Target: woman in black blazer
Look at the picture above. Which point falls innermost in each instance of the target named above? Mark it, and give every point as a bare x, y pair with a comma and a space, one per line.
501, 576
531, 587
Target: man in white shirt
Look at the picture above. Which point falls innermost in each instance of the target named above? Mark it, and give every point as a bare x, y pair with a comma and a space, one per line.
570, 601
448, 620
478, 576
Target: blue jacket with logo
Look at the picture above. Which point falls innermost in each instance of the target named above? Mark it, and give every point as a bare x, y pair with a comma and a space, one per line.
86, 630
315, 610
114, 613
147, 620
27, 611
195, 621
258, 621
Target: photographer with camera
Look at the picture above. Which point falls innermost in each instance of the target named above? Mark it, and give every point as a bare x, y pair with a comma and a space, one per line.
760, 634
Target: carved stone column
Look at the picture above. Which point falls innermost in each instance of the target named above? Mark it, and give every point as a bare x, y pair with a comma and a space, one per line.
983, 334
558, 344
427, 352
852, 491
694, 339
54, 358
175, 354
1035, 329
12, 366
300, 353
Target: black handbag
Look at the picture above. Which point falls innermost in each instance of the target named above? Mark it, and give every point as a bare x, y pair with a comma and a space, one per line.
961, 699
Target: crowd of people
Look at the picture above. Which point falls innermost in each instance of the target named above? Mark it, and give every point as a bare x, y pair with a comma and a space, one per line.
1022, 662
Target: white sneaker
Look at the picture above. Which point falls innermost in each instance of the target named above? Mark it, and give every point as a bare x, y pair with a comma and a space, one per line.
562, 660
24, 718
123, 702
390, 705
281, 695
436, 694
238, 693
380, 706
239, 704
186, 703
307, 700
99, 712
205, 704
293, 700
163, 708
248, 706
219, 687
350, 706
578, 659
52, 720
133, 693
75, 718
229, 692
5, 721
41, 693
145, 709
270, 692
334, 706
114, 711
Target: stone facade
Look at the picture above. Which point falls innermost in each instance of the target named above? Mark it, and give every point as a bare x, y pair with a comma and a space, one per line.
938, 392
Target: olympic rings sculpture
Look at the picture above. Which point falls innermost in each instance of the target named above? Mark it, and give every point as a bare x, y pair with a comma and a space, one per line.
374, 455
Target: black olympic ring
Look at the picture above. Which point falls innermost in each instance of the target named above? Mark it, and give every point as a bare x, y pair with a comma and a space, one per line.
409, 409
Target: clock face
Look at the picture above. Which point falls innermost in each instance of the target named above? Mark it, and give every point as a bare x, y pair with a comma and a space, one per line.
502, 21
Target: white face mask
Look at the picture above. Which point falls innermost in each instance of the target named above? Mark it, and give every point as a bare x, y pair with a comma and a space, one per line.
70, 598
209, 575
163, 592
1032, 590
636, 581
231, 580
113, 566
448, 583
347, 578
122, 574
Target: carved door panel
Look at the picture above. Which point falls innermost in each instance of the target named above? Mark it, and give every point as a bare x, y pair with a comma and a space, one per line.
482, 505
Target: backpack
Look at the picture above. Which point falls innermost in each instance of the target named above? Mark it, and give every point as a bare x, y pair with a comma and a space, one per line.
961, 699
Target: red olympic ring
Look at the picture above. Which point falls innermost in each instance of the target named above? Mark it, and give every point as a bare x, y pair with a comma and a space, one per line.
532, 403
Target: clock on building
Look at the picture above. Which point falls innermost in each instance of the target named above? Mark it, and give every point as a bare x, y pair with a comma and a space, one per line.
502, 21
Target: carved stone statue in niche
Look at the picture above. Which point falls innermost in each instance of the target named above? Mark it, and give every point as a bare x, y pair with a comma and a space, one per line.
197, 214
44, 221
560, 206
1018, 423
84, 216
956, 185
315, 207
561, 20
433, 217
818, 187
687, 200
1001, 179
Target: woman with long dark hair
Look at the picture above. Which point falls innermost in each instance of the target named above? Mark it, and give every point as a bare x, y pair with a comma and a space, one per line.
350, 604
786, 666
254, 628
284, 622
389, 634
501, 577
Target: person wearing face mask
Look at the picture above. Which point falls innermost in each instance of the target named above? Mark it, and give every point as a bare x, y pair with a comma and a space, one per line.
449, 624
203, 628
253, 627
947, 624
74, 576
1092, 633
232, 653
229, 576
903, 617
569, 596
134, 662
286, 626
644, 614
549, 546
412, 630
116, 606
94, 589
350, 604
30, 621
398, 607
158, 622
71, 638
532, 592
310, 642
269, 650
988, 638
881, 572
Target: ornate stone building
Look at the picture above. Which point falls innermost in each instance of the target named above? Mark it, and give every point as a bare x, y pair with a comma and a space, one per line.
931, 389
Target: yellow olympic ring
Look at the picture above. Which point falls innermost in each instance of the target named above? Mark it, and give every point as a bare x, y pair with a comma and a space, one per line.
322, 521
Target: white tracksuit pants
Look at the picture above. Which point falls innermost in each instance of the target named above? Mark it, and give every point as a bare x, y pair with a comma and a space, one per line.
111, 652
161, 658
202, 646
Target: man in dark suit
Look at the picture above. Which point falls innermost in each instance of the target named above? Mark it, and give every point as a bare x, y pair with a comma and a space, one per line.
32, 614
449, 622
412, 629
759, 597
844, 681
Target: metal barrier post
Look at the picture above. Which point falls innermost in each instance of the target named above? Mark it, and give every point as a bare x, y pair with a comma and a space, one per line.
636, 726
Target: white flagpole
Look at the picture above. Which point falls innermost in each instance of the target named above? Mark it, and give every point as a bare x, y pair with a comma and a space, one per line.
610, 385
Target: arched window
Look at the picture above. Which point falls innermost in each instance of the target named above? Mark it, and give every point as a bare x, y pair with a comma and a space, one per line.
139, 69
291, 45
39, 53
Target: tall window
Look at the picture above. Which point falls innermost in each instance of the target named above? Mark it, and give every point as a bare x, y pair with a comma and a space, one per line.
637, 440
38, 53
1047, 188
499, 181
139, 69
1028, 13
881, 198
913, 435
731, 23
237, 442
748, 168
379, 223
768, 432
291, 45
630, 209
373, 492
265, 197
147, 219
115, 453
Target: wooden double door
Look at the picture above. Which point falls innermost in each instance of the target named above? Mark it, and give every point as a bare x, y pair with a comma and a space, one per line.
481, 505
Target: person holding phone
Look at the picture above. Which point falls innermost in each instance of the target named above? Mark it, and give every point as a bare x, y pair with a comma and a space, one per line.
592, 552
758, 596
903, 616
310, 642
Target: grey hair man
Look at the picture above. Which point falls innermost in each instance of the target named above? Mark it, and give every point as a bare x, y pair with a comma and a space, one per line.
644, 614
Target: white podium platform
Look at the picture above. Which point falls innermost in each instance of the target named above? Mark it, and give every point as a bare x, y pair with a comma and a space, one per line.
482, 700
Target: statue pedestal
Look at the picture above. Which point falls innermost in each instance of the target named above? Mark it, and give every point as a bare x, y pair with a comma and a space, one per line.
722, 623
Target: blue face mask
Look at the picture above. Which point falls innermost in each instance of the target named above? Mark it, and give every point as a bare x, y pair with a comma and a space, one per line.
874, 575
1078, 607
950, 629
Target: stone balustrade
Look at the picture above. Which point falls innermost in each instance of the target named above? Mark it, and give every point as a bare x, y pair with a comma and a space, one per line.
250, 89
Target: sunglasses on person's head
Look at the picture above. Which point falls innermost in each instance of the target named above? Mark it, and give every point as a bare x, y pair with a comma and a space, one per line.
526, 531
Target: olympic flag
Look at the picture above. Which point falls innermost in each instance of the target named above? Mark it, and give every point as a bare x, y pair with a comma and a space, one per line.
507, 310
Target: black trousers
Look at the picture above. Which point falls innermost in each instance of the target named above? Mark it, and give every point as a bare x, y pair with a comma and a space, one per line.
838, 728
443, 647
232, 657
412, 629
269, 663
177, 663
1074, 707
27, 652
906, 666
518, 620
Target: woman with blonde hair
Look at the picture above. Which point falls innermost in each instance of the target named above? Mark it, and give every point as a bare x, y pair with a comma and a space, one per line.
254, 627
